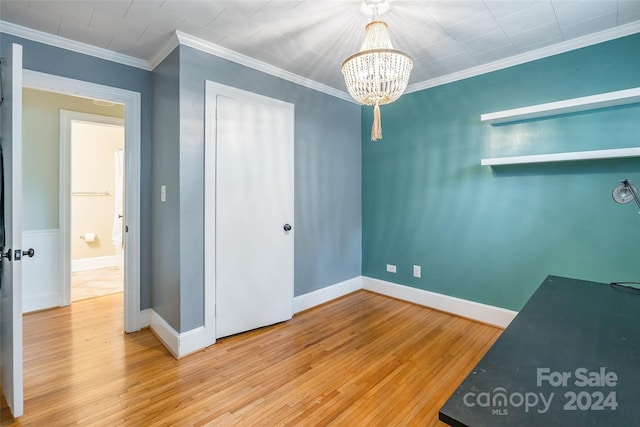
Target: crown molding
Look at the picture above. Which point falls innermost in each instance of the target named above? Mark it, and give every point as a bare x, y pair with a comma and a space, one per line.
556, 49
180, 38
177, 39
222, 52
164, 51
75, 46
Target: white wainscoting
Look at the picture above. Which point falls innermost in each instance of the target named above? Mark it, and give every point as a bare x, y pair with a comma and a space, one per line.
40, 274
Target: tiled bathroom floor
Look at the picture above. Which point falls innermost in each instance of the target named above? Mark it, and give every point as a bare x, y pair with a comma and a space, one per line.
95, 283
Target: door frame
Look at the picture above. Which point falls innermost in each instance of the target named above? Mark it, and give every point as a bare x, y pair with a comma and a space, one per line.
132, 123
212, 91
66, 119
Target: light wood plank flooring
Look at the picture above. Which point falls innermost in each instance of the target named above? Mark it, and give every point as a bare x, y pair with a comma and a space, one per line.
361, 360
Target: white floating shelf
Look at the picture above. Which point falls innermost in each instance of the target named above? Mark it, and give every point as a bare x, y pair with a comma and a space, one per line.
602, 100
563, 157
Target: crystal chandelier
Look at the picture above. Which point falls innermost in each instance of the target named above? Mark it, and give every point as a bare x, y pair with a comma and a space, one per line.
378, 74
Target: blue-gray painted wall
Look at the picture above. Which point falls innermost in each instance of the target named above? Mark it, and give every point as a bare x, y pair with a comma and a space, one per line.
60, 62
327, 177
327, 182
165, 256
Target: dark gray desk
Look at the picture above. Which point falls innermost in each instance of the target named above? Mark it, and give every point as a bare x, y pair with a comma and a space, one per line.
576, 346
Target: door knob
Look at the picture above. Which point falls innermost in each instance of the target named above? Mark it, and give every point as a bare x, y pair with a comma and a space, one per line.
6, 255
287, 227
30, 253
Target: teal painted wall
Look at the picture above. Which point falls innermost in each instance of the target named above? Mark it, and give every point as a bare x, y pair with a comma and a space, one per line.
493, 235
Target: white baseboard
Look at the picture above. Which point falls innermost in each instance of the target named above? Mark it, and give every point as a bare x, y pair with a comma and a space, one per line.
96, 262
184, 343
484, 313
180, 344
145, 318
165, 333
195, 340
306, 301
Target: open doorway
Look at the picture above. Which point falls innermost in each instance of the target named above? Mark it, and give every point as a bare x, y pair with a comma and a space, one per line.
96, 144
55, 255
89, 137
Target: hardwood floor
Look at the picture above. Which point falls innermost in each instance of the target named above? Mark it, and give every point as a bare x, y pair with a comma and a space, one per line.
361, 360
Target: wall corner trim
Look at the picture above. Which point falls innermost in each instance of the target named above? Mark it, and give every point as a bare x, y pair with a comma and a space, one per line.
496, 316
164, 51
180, 344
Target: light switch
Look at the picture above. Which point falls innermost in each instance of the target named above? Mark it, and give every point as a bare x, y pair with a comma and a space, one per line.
163, 193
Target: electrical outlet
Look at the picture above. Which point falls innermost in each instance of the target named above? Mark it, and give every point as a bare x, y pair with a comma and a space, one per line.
417, 271
391, 268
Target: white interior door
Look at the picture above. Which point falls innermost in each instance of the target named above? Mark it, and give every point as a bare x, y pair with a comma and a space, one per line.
253, 213
11, 291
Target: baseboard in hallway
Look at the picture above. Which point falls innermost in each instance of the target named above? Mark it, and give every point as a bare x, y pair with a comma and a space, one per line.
95, 283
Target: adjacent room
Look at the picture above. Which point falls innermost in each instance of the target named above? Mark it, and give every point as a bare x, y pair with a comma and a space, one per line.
350, 212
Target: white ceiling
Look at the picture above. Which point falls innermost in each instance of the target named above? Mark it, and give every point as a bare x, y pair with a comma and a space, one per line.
311, 38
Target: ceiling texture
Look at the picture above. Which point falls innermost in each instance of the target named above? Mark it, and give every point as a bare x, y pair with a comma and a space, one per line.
311, 38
